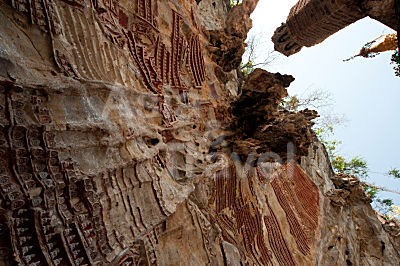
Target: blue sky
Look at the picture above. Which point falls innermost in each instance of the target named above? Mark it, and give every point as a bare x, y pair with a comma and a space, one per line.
365, 90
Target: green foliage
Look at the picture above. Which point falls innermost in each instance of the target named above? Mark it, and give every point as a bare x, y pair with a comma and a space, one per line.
324, 135
384, 206
235, 2
291, 103
371, 191
396, 61
356, 166
247, 68
395, 173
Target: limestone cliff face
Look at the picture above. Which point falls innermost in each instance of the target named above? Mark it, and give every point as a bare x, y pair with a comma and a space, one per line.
127, 138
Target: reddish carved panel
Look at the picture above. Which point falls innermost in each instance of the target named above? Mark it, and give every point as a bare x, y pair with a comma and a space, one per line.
178, 44
225, 184
196, 61
248, 220
249, 224
298, 196
276, 239
306, 191
295, 204
147, 11
162, 62
138, 55
295, 227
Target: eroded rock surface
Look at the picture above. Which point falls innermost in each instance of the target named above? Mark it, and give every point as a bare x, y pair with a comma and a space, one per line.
312, 21
125, 140
227, 44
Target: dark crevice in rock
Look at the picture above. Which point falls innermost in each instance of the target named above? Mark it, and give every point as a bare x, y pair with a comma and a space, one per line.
260, 125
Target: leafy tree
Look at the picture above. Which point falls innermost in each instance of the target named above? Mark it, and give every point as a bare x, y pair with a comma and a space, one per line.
356, 166
291, 102
394, 172
384, 206
247, 68
324, 135
372, 191
396, 61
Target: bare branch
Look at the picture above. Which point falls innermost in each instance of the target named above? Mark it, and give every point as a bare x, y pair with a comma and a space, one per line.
320, 100
316, 98
255, 55
381, 188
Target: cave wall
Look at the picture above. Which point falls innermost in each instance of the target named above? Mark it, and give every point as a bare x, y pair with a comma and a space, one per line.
127, 137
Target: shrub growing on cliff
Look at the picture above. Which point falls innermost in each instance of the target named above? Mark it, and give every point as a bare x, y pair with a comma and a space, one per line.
396, 61
235, 2
395, 173
357, 166
247, 68
320, 100
324, 130
251, 58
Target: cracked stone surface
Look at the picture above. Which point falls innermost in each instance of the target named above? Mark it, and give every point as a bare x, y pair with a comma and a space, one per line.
127, 137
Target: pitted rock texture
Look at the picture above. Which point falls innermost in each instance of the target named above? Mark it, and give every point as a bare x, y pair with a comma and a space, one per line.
261, 126
227, 44
351, 233
125, 141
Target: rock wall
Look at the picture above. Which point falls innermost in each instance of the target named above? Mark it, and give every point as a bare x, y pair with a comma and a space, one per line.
351, 232
127, 137
312, 21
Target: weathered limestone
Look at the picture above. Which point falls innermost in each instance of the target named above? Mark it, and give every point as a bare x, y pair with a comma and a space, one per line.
227, 44
351, 231
312, 21
126, 140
